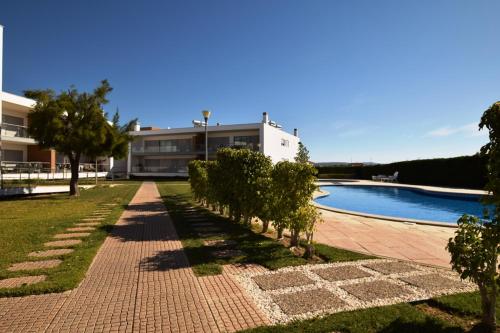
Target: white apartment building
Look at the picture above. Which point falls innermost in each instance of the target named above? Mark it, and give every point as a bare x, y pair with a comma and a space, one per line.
167, 152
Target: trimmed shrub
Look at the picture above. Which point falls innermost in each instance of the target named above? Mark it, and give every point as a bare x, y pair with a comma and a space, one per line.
463, 171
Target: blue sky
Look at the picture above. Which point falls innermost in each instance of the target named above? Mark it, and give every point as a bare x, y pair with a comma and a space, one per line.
362, 80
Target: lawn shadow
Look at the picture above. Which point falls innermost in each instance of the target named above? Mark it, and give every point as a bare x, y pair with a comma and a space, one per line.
428, 325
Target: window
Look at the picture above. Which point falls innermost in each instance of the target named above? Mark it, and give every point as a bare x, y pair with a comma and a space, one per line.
13, 155
11, 120
250, 141
285, 143
217, 142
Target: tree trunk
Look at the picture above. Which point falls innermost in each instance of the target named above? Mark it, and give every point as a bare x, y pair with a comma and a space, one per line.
265, 226
488, 304
73, 183
309, 247
280, 233
294, 240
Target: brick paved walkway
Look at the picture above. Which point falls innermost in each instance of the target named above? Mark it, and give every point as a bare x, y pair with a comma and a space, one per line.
140, 280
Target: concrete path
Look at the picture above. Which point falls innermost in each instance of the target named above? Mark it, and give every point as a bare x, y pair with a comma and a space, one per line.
419, 243
140, 280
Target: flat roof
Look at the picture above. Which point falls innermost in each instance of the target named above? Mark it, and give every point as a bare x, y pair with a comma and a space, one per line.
17, 100
183, 130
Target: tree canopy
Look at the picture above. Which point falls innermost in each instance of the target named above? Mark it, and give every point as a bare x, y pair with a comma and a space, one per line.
74, 124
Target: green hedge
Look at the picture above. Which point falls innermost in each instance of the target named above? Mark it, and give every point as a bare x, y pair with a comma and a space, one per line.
463, 171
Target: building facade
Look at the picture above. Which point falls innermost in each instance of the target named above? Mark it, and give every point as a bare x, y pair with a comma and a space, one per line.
167, 152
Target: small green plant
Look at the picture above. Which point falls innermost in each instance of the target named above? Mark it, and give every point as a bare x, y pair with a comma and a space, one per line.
474, 252
476, 245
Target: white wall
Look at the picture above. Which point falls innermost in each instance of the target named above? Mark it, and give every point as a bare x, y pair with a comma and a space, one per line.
271, 146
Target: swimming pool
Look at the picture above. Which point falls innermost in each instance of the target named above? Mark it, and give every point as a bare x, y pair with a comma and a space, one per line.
401, 202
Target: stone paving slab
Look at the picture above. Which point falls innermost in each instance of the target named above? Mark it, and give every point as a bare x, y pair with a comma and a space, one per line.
50, 253
375, 290
430, 282
212, 234
207, 229
282, 294
63, 243
33, 265
72, 235
21, 281
341, 273
220, 242
282, 280
76, 229
92, 224
308, 300
91, 219
128, 288
227, 253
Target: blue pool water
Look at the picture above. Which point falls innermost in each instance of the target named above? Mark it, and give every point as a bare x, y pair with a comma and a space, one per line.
401, 202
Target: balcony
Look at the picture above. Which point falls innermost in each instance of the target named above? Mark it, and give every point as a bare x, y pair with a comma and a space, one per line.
194, 149
15, 131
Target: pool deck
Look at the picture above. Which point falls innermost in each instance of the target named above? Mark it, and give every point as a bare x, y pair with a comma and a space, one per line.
422, 243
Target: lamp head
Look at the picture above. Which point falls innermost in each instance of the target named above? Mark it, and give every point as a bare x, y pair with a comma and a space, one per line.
206, 114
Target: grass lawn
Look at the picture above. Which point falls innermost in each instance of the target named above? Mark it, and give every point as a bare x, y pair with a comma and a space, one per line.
27, 223
258, 248
449, 314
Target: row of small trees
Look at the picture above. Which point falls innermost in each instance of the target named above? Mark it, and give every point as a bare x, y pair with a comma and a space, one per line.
245, 184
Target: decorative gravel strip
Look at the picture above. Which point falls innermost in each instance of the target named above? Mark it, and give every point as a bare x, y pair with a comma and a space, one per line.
431, 282
63, 243
282, 280
80, 229
50, 253
341, 273
90, 224
21, 281
72, 235
220, 242
391, 267
376, 289
309, 300
32, 265
370, 291
227, 253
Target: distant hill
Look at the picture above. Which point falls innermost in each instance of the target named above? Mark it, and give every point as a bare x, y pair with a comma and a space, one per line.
329, 164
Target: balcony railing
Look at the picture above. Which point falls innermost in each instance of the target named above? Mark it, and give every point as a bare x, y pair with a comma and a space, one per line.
195, 149
14, 130
149, 169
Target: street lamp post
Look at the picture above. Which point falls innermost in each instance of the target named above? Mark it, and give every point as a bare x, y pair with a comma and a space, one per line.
206, 115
